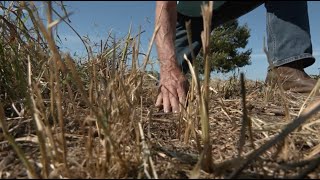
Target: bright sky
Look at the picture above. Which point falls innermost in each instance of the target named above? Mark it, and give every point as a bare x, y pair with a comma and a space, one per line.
97, 18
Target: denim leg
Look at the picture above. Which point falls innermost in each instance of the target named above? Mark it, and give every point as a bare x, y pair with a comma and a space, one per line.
227, 12
288, 32
181, 42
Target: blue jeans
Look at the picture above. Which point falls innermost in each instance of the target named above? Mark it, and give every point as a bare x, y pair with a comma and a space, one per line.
288, 32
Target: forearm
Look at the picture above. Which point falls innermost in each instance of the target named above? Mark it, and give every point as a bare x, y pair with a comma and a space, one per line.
173, 83
166, 17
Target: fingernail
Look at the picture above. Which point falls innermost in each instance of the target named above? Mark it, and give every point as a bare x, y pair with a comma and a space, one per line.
175, 111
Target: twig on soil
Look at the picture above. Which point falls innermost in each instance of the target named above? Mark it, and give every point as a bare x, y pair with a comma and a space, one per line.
146, 156
245, 119
15, 146
311, 110
314, 164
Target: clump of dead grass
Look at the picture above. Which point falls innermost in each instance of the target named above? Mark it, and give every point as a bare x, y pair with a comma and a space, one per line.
63, 119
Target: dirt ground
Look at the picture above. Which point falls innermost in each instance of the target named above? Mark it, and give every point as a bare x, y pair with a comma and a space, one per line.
174, 154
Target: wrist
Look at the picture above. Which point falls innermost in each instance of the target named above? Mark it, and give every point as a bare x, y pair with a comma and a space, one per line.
169, 65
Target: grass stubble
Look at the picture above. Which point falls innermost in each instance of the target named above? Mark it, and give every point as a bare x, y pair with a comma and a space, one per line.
97, 119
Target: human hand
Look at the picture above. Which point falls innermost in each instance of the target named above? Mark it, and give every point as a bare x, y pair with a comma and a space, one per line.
173, 90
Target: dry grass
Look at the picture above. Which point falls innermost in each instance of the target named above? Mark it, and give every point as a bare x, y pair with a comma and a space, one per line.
63, 119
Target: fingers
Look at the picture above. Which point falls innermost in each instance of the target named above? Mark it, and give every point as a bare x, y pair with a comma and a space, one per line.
166, 100
182, 96
171, 95
171, 99
174, 100
159, 99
